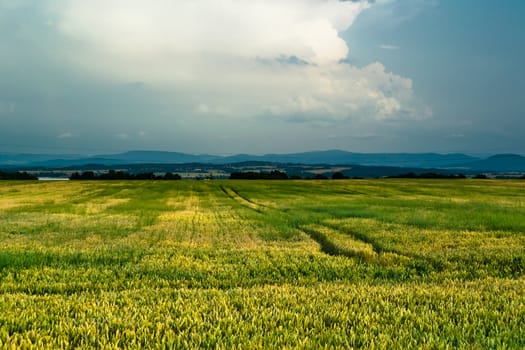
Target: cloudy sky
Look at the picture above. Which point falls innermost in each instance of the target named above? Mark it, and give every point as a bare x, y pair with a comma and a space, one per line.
261, 76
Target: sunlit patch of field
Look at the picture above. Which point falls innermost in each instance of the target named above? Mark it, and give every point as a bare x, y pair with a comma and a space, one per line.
15, 195
197, 221
100, 206
259, 264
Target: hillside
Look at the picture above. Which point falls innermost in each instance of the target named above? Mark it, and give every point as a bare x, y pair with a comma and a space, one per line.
500, 162
452, 161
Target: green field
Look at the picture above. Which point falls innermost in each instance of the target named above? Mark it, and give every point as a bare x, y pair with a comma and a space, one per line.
276, 264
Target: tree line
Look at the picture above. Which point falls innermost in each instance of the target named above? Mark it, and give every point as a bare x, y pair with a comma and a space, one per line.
248, 175
263, 175
122, 175
4, 175
428, 176
281, 175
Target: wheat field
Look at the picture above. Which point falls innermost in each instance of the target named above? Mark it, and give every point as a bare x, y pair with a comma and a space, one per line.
262, 264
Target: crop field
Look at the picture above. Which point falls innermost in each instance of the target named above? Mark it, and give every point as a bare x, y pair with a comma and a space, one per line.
263, 264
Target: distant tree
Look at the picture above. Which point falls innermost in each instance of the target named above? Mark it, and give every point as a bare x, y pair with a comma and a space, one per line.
320, 177
263, 175
122, 175
408, 176
248, 175
430, 176
143, 176
480, 176
295, 177
339, 176
278, 175
412, 175
170, 176
86, 175
114, 175
17, 176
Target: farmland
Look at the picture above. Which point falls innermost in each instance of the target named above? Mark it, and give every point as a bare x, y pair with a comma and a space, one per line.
257, 264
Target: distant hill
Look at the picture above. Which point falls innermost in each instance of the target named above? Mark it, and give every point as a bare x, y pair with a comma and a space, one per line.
132, 157
159, 157
500, 162
15, 159
457, 161
418, 160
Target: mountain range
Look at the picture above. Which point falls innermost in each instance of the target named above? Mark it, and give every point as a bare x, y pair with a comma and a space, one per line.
458, 161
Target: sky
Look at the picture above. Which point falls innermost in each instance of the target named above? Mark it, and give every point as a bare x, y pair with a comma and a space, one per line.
262, 76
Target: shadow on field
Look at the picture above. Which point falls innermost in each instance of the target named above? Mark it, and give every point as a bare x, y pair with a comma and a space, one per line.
328, 246
32, 259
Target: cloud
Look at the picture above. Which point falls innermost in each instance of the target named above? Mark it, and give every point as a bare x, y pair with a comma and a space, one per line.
237, 58
66, 135
344, 92
306, 29
389, 47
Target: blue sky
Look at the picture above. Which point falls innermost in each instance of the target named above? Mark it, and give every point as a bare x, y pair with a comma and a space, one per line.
254, 76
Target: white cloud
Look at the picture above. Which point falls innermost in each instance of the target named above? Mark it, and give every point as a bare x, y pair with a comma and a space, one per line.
66, 135
342, 92
226, 56
389, 47
167, 29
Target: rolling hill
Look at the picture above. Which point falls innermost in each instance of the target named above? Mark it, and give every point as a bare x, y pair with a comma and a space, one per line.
458, 161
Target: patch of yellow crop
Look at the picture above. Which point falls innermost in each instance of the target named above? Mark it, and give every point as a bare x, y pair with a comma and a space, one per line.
458, 200
191, 225
39, 194
99, 206
8, 203
508, 202
432, 242
24, 201
452, 242
188, 202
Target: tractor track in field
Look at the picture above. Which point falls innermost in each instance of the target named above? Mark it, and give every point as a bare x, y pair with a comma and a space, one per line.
378, 247
326, 245
242, 200
375, 253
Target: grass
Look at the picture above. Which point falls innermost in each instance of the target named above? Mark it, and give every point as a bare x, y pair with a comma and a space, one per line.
307, 264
